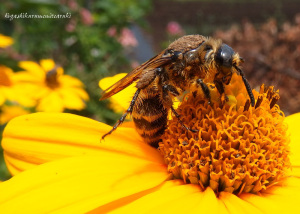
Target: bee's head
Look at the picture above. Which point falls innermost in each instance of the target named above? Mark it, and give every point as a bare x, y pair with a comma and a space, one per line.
226, 58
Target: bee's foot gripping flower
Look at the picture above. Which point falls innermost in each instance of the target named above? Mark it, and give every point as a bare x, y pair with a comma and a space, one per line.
238, 148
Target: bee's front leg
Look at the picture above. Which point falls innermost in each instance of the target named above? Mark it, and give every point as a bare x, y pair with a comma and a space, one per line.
169, 89
205, 90
221, 90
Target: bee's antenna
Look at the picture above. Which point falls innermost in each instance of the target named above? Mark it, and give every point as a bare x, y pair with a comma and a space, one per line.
247, 85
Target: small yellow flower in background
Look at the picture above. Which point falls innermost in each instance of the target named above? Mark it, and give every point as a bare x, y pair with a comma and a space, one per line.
5, 41
241, 161
53, 90
11, 90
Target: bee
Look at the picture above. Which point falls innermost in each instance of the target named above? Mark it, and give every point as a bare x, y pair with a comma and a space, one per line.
189, 63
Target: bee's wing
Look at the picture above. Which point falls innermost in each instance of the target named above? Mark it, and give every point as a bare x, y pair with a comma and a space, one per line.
135, 74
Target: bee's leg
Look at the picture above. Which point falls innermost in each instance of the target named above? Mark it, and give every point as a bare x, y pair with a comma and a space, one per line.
221, 90
129, 110
180, 121
247, 85
171, 89
205, 90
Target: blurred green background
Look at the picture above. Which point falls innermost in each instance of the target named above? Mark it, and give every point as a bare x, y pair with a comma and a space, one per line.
106, 37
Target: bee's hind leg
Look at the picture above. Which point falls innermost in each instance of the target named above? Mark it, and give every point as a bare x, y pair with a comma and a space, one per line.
121, 120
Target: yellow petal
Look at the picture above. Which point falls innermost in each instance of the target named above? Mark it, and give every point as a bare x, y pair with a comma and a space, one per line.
33, 68
5, 41
25, 77
70, 99
120, 101
109, 81
293, 129
37, 138
171, 197
278, 199
162, 199
236, 205
47, 64
2, 98
9, 112
69, 81
79, 184
52, 102
80, 92
24, 94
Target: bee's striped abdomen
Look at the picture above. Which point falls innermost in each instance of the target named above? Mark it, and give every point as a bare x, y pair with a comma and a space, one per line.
150, 118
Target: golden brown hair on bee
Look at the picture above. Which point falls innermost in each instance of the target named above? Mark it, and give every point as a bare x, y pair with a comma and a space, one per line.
189, 63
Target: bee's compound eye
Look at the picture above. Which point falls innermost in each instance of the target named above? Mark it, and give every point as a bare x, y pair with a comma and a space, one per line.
224, 56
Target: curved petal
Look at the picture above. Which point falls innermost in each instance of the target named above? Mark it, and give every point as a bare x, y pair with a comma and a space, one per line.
41, 137
33, 68
79, 184
278, 199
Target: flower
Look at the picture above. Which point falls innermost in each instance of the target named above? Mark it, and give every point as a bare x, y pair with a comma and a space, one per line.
174, 28
126, 37
60, 165
53, 90
5, 41
237, 149
8, 112
12, 90
86, 17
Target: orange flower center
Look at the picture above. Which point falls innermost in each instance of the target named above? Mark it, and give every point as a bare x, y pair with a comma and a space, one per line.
4, 78
52, 78
238, 148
